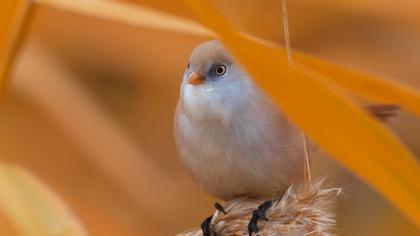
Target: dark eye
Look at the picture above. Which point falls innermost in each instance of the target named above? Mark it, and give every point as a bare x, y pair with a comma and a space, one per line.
188, 66
220, 70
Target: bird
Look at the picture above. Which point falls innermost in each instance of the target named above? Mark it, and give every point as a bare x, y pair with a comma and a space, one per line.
230, 136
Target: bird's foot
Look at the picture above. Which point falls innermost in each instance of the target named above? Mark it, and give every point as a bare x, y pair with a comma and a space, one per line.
258, 214
205, 226
220, 208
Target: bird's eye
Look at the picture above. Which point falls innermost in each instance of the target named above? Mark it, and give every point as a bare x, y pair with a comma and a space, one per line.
188, 66
220, 69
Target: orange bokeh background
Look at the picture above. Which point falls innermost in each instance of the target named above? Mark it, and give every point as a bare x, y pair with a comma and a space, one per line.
90, 104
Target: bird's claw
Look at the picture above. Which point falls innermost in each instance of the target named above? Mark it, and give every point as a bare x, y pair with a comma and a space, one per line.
220, 208
205, 226
258, 214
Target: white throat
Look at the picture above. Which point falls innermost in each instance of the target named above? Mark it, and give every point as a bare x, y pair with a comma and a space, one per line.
206, 102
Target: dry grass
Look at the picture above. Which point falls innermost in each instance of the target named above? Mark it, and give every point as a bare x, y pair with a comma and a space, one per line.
302, 210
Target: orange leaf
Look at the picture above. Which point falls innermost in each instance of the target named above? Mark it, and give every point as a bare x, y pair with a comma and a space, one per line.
32, 208
361, 84
130, 14
365, 86
337, 124
13, 14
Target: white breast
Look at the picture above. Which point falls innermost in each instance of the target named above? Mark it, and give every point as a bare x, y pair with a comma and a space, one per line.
256, 153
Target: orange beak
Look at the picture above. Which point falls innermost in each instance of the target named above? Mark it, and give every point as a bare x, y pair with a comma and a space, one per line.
195, 78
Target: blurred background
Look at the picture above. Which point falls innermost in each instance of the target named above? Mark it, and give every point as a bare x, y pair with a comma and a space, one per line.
90, 103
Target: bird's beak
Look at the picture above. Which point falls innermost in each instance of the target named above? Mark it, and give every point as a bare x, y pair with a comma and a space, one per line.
195, 78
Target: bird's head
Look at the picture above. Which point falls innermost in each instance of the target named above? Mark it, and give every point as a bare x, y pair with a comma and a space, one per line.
214, 86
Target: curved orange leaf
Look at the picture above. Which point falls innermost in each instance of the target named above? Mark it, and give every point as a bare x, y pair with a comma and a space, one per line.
130, 14
365, 86
334, 122
13, 14
32, 208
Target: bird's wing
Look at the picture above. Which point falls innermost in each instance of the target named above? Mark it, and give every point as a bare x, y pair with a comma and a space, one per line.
383, 111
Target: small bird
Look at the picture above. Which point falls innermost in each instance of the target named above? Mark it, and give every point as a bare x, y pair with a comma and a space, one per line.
230, 136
